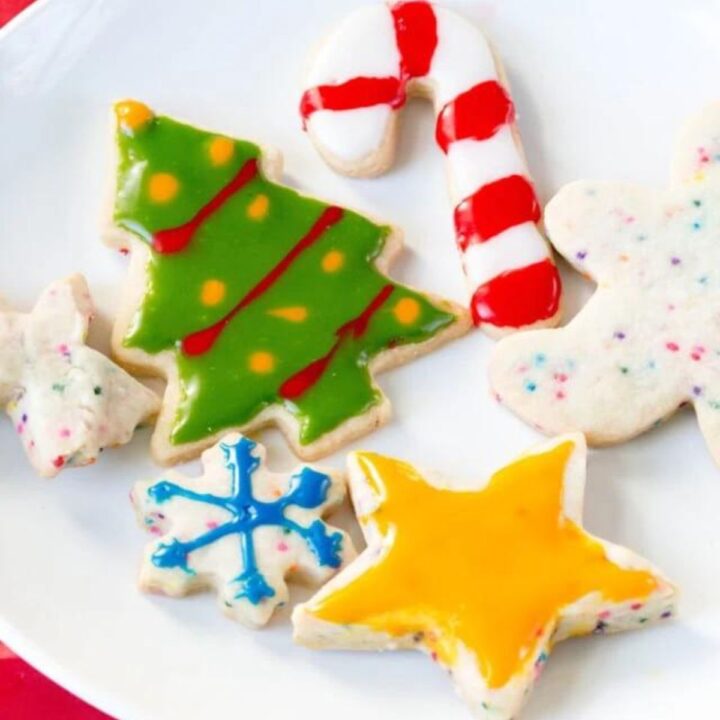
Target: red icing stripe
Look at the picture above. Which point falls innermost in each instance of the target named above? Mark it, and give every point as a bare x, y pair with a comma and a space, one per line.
519, 297
495, 207
303, 380
416, 38
478, 113
356, 93
177, 239
200, 342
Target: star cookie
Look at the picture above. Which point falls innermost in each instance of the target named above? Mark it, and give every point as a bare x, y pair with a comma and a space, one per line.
67, 401
485, 580
240, 529
648, 341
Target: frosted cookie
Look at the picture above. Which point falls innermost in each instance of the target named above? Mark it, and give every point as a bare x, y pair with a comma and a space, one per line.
648, 341
240, 529
358, 81
261, 306
67, 401
484, 579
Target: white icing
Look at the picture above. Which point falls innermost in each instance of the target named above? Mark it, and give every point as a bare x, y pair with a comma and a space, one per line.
472, 164
67, 401
462, 58
512, 249
363, 44
220, 563
351, 134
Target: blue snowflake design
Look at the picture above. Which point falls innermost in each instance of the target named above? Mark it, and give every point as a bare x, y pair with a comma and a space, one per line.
308, 489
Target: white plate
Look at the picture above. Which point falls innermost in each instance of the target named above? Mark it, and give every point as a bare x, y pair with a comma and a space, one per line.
601, 89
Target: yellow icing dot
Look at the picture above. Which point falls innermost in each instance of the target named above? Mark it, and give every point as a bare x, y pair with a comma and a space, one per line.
333, 261
212, 292
261, 362
258, 207
295, 313
132, 115
221, 150
406, 310
163, 187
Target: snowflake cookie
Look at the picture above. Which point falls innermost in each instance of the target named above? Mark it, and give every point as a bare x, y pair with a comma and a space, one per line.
67, 401
240, 529
648, 341
260, 305
484, 579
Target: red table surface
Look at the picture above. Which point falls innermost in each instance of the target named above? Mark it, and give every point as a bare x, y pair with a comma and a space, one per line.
25, 694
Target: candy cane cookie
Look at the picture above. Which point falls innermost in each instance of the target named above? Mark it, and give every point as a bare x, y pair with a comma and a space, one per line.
356, 84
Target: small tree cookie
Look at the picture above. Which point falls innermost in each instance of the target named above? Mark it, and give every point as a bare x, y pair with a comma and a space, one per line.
67, 401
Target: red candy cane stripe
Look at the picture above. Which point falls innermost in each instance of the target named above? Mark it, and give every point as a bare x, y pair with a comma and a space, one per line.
360, 78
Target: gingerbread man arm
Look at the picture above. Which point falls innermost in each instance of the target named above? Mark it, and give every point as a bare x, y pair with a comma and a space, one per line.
581, 377
698, 147
602, 229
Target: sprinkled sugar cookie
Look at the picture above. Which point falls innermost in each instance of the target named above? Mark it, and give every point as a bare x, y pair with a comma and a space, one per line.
67, 401
240, 529
260, 305
356, 84
485, 580
648, 340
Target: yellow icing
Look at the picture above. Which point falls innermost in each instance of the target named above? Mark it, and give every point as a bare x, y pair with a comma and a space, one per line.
261, 362
295, 313
488, 569
221, 150
132, 115
162, 187
258, 207
212, 292
333, 261
407, 310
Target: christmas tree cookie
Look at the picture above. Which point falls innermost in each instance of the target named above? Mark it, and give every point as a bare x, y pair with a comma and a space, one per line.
483, 579
261, 306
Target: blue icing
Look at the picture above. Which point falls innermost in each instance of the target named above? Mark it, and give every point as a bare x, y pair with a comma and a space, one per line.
308, 489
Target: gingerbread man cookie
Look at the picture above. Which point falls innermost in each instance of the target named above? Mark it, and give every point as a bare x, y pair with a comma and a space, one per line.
66, 400
358, 81
260, 306
648, 341
240, 529
485, 580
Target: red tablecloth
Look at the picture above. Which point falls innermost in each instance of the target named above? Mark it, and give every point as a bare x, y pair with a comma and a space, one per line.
25, 694
10, 8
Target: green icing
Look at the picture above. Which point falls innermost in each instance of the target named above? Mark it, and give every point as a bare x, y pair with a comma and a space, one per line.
218, 389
